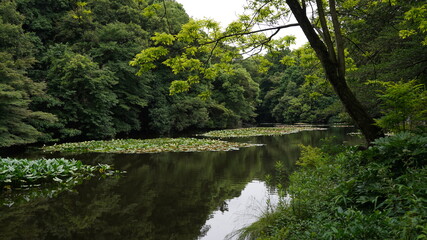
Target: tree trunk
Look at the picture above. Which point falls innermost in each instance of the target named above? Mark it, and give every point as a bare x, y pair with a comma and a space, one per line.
332, 71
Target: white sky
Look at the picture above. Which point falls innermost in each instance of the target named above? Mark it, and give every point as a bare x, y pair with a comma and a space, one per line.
226, 11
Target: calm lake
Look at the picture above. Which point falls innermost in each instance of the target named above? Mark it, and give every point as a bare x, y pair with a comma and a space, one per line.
164, 196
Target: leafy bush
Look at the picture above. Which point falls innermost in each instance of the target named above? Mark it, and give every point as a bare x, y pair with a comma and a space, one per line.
379, 193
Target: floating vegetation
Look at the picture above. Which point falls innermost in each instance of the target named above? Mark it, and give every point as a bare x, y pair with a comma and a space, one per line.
259, 131
24, 172
148, 146
43, 177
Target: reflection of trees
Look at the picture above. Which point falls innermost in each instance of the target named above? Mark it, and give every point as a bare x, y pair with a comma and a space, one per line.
286, 148
162, 196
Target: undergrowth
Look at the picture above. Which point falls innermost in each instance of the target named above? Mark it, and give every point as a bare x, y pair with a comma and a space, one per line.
378, 193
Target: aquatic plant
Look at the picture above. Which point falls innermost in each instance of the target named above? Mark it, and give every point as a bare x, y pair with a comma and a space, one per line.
24, 172
23, 179
148, 146
258, 131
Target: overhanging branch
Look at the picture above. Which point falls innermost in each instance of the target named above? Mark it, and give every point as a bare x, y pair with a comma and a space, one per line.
277, 29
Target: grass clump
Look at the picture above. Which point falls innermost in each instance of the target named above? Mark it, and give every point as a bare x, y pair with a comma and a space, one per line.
149, 146
378, 193
258, 131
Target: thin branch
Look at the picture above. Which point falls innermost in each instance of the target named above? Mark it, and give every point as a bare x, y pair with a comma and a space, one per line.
338, 38
255, 15
326, 35
261, 48
252, 32
218, 40
312, 11
370, 58
212, 52
166, 17
416, 63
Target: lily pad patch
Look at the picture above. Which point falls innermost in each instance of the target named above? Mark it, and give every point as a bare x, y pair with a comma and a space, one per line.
259, 131
148, 146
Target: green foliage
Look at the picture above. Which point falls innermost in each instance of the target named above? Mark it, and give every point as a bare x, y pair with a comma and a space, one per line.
400, 152
80, 52
221, 117
104, 36
416, 19
146, 57
189, 112
237, 92
193, 63
103, 96
16, 89
379, 193
203, 72
23, 180
118, 42
298, 91
377, 47
310, 156
404, 106
258, 131
83, 93
149, 146
24, 172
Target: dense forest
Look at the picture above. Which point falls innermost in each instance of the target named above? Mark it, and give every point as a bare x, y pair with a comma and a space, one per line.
101, 69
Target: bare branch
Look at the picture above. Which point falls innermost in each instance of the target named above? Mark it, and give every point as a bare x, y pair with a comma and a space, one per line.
212, 51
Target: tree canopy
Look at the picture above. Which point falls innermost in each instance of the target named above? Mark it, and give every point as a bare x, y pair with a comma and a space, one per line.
99, 69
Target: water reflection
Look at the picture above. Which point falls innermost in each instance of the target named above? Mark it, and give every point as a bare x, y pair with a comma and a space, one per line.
239, 212
169, 196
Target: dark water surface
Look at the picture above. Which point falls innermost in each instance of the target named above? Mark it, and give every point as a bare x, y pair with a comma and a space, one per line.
164, 196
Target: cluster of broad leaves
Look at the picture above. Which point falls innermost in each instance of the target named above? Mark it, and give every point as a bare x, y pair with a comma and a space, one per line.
148, 146
24, 172
43, 178
258, 131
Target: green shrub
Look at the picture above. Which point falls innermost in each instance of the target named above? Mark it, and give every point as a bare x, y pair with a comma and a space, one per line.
404, 104
378, 193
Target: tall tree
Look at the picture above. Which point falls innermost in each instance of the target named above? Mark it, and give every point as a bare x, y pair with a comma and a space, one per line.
82, 92
333, 61
16, 89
